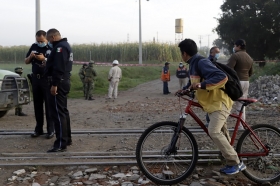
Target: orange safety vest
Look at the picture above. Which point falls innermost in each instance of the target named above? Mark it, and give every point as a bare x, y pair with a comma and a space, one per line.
165, 74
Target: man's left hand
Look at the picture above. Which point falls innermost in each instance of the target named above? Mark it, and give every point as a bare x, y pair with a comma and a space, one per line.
53, 90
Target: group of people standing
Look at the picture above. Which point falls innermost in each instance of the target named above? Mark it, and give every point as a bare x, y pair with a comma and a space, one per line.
51, 58
88, 75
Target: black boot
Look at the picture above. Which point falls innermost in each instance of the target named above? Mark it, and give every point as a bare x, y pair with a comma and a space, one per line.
16, 111
20, 113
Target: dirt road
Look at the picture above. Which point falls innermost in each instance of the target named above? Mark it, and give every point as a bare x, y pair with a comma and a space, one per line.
138, 107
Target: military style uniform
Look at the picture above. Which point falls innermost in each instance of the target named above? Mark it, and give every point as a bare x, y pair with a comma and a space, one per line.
18, 109
90, 74
82, 77
58, 70
40, 91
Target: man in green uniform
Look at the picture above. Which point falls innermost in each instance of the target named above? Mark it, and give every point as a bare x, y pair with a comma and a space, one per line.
82, 77
18, 110
90, 74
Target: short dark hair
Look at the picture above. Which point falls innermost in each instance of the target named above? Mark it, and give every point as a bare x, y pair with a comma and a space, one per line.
41, 33
188, 46
53, 32
241, 43
214, 47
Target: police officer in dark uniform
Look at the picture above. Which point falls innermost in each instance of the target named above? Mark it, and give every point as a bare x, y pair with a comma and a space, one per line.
58, 69
37, 56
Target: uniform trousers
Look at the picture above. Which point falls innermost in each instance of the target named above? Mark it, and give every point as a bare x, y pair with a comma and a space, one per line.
40, 91
60, 115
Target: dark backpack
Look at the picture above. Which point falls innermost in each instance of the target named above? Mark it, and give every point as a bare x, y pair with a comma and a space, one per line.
232, 87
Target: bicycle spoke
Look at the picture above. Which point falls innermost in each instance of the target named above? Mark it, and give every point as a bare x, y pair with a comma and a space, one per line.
159, 161
261, 168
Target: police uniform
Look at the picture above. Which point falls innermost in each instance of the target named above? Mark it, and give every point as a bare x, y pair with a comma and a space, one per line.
58, 70
40, 91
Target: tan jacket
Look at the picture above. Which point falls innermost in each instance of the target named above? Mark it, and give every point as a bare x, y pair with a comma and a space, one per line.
242, 63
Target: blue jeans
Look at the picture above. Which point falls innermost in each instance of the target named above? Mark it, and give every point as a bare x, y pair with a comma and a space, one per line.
165, 88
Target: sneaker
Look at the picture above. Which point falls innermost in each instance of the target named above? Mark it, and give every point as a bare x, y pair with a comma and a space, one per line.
229, 170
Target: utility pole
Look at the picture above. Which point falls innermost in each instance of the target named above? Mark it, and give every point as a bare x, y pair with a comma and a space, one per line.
38, 16
140, 35
200, 37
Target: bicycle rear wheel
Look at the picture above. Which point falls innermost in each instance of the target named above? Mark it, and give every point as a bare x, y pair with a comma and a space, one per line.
154, 161
261, 169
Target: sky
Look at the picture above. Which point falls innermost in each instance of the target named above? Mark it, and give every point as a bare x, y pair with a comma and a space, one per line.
109, 21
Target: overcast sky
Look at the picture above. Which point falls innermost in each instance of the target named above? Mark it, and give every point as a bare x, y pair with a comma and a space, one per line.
109, 21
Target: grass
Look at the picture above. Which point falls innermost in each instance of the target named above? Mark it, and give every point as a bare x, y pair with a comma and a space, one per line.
132, 76
270, 68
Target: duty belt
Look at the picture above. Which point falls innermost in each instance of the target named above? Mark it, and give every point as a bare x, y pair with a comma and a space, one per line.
38, 76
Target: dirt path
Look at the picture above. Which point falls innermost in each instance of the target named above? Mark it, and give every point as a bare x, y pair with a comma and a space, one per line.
138, 107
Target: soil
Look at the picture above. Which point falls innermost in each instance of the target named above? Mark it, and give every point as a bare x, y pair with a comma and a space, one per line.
138, 107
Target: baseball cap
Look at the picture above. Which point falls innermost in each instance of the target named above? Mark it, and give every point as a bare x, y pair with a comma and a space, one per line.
166, 63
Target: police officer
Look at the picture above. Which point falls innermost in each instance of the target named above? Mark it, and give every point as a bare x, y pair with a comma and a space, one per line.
58, 69
18, 109
82, 77
90, 74
37, 56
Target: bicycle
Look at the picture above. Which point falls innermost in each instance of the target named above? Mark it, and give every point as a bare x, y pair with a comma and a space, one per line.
167, 152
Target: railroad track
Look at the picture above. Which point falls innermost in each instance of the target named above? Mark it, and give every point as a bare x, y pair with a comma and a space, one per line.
111, 157
194, 130
86, 158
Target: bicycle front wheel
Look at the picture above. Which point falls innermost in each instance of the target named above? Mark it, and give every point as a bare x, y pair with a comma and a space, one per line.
154, 159
261, 169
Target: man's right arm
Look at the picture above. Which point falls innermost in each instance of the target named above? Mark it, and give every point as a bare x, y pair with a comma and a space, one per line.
29, 56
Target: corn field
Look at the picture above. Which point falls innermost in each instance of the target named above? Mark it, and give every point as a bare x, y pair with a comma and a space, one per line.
124, 52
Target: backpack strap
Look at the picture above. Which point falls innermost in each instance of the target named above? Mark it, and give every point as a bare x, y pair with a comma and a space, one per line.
196, 61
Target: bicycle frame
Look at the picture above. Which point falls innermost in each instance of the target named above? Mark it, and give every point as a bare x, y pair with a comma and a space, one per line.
253, 135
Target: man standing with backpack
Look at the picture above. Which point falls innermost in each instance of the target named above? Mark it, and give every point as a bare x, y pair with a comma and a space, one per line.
242, 63
208, 80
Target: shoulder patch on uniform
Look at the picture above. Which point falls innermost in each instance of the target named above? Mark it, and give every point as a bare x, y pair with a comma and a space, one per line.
59, 49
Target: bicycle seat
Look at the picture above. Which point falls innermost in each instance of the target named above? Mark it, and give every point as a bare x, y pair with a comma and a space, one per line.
247, 101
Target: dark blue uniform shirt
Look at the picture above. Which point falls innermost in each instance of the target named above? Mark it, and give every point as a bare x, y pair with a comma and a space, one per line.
59, 64
37, 67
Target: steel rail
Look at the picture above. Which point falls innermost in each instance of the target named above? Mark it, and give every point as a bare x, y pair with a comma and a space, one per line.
194, 130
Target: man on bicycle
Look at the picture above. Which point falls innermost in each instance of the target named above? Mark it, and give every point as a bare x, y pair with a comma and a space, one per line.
208, 80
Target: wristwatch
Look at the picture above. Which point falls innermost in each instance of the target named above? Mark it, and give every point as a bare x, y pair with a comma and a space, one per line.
45, 60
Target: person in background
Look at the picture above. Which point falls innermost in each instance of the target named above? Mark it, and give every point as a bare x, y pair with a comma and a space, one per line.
114, 76
18, 109
58, 70
82, 77
182, 74
37, 56
213, 57
242, 63
165, 77
90, 74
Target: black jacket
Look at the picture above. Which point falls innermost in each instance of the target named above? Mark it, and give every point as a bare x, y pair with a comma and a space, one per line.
60, 61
